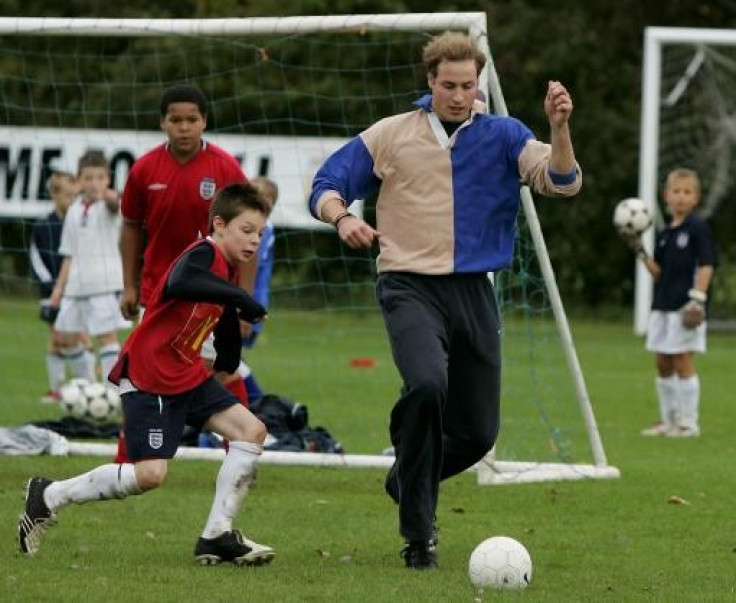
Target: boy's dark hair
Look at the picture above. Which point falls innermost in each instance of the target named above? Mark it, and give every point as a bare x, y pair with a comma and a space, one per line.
95, 159
231, 200
183, 94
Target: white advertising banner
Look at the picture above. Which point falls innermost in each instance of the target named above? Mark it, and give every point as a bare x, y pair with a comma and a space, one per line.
29, 155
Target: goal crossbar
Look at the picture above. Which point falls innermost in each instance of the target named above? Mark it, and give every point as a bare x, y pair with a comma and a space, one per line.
243, 26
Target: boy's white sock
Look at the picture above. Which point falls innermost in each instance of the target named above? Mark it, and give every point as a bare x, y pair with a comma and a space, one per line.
689, 395
234, 480
55, 370
91, 360
108, 357
103, 483
668, 400
79, 360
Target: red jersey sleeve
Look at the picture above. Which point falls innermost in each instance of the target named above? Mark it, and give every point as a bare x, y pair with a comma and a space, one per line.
133, 204
232, 172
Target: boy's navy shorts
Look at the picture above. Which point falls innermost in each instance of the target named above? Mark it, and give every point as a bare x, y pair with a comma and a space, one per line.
153, 424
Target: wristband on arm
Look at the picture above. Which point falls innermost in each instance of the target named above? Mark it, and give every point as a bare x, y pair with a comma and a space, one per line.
341, 217
697, 296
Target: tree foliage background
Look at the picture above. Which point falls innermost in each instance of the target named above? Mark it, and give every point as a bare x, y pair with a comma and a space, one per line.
594, 48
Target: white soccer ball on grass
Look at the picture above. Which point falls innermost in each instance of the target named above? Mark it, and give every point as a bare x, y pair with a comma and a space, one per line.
632, 217
92, 401
500, 563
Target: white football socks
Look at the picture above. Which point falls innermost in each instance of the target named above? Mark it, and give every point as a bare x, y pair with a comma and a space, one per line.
103, 483
108, 357
689, 397
79, 361
55, 370
668, 400
234, 480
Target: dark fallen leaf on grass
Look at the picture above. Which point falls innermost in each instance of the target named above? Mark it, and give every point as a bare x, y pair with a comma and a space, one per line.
459, 510
677, 500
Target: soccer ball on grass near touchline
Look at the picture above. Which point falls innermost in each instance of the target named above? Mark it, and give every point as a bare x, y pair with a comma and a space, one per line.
87, 400
632, 216
501, 563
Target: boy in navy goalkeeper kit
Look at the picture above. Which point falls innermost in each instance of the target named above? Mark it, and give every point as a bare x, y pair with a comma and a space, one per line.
682, 266
448, 179
164, 385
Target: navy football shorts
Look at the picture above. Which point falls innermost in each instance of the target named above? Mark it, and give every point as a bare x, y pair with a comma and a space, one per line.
153, 424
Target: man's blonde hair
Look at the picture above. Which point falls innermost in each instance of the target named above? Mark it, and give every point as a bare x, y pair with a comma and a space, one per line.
451, 46
683, 174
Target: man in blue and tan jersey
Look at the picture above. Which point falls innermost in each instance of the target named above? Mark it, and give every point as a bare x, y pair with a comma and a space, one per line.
448, 179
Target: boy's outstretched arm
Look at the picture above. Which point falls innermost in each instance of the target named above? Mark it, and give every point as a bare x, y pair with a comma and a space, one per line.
191, 280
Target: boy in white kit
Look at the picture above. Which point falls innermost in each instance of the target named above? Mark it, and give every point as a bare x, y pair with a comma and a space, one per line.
91, 275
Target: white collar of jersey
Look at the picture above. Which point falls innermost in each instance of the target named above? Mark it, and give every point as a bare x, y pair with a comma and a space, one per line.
441, 134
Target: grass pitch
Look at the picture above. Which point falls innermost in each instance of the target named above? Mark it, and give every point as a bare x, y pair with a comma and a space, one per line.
335, 531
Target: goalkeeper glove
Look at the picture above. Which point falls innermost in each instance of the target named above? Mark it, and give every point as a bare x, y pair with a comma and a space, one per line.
633, 241
693, 312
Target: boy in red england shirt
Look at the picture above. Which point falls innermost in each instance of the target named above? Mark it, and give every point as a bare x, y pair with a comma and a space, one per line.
168, 194
166, 200
165, 386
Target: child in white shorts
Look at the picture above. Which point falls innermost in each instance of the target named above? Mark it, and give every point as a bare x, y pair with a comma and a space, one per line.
682, 265
91, 275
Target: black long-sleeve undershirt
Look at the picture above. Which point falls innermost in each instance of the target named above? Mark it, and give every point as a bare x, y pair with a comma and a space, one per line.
191, 280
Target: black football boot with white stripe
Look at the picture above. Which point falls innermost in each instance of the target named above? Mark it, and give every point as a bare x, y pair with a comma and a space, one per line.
37, 517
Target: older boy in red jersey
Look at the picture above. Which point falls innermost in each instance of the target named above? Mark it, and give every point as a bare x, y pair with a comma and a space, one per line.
168, 195
164, 386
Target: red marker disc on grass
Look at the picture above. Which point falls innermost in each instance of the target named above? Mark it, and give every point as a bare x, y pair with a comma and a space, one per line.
365, 362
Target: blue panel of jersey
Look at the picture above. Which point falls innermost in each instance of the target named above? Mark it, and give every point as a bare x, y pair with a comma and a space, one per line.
485, 181
349, 171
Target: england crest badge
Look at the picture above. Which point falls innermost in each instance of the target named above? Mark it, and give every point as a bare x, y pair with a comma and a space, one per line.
155, 438
207, 188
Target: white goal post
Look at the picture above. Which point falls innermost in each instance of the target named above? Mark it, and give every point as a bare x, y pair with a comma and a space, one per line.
489, 470
657, 94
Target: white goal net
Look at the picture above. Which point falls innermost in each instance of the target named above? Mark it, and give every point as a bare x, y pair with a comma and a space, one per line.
283, 93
